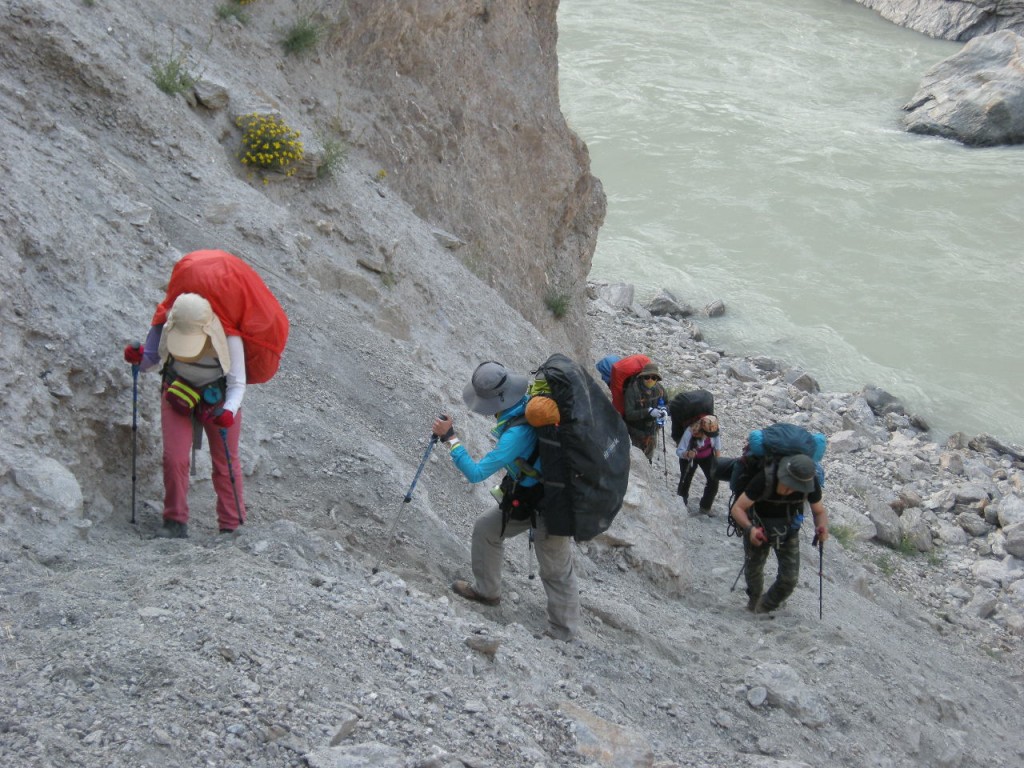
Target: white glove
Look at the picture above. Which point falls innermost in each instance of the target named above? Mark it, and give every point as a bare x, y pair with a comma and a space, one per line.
658, 413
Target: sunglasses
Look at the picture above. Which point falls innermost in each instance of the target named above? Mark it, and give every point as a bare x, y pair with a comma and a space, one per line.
649, 378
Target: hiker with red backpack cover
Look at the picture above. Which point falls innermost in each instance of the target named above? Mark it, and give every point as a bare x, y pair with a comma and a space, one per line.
644, 409
620, 373
217, 329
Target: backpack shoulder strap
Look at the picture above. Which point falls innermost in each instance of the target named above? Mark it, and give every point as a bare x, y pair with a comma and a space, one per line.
526, 466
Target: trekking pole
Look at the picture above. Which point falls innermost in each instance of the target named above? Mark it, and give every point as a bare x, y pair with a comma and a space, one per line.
529, 556
821, 574
664, 454
664, 450
135, 425
742, 569
231, 474
407, 499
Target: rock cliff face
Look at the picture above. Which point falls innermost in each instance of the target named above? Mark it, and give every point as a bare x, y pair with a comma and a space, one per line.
460, 103
952, 19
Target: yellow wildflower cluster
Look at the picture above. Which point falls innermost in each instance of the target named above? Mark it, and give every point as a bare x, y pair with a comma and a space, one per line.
268, 142
245, 2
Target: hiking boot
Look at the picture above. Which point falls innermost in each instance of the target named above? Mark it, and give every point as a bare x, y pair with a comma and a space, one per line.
707, 511
227, 530
760, 607
562, 635
752, 603
466, 590
172, 529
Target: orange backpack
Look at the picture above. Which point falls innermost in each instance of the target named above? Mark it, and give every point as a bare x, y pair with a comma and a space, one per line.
241, 300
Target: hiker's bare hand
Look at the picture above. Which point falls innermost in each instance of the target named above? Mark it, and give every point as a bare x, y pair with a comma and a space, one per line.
442, 427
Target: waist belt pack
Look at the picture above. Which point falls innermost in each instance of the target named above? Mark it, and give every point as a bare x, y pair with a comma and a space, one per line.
184, 398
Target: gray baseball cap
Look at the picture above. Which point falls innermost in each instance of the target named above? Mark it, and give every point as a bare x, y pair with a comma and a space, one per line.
797, 472
494, 388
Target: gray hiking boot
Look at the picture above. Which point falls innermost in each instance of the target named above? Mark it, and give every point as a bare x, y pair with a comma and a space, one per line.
760, 607
172, 529
752, 603
707, 511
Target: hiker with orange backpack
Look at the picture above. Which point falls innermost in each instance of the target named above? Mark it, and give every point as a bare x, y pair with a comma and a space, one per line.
217, 329
496, 391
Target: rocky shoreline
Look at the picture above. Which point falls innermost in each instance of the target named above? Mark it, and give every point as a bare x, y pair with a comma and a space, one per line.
945, 522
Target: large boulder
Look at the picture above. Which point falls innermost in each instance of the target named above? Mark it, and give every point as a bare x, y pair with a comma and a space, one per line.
975, 96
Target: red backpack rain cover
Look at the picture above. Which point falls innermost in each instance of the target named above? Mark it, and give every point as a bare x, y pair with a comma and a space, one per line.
242, 301
623, 371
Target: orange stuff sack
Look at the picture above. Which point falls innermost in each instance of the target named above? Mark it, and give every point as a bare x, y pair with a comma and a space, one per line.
242, 301
542, 411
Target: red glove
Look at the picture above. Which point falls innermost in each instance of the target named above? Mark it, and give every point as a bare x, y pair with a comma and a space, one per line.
223, 419
133, 354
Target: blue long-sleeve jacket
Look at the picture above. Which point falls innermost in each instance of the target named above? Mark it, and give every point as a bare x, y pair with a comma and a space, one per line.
513, 443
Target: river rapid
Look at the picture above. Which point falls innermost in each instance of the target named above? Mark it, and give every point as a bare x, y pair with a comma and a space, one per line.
752, 152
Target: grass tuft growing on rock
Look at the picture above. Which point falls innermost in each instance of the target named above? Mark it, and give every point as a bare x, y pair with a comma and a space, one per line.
172, 75
302, 36
557, 302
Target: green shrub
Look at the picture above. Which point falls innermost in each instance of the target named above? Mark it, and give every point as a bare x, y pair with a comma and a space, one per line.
335, 152
172, 75
557, 302
885, 565
233, 10
303, 35
844, 534
906, 547
269, 144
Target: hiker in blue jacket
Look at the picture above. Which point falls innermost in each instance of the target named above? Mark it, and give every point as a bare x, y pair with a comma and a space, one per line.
496, 390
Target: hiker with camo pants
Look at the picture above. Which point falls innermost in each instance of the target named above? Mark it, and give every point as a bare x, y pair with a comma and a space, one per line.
770, 520
494, 390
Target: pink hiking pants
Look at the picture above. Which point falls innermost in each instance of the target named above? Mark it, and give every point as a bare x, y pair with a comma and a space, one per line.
177, 432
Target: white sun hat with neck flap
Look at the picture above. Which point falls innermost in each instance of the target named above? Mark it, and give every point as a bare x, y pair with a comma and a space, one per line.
190, 323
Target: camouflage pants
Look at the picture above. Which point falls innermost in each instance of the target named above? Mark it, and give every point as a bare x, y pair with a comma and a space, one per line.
787, 553
644, 440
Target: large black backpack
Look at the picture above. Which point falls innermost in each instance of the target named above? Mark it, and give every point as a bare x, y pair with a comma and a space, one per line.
584, 459
686, 407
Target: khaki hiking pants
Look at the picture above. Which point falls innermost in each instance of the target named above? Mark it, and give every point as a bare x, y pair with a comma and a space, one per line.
554, 558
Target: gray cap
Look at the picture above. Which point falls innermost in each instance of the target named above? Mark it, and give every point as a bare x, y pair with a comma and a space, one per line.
494, 388
797, 472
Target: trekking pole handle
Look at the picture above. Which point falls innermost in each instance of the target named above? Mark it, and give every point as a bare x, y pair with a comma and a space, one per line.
434, 438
